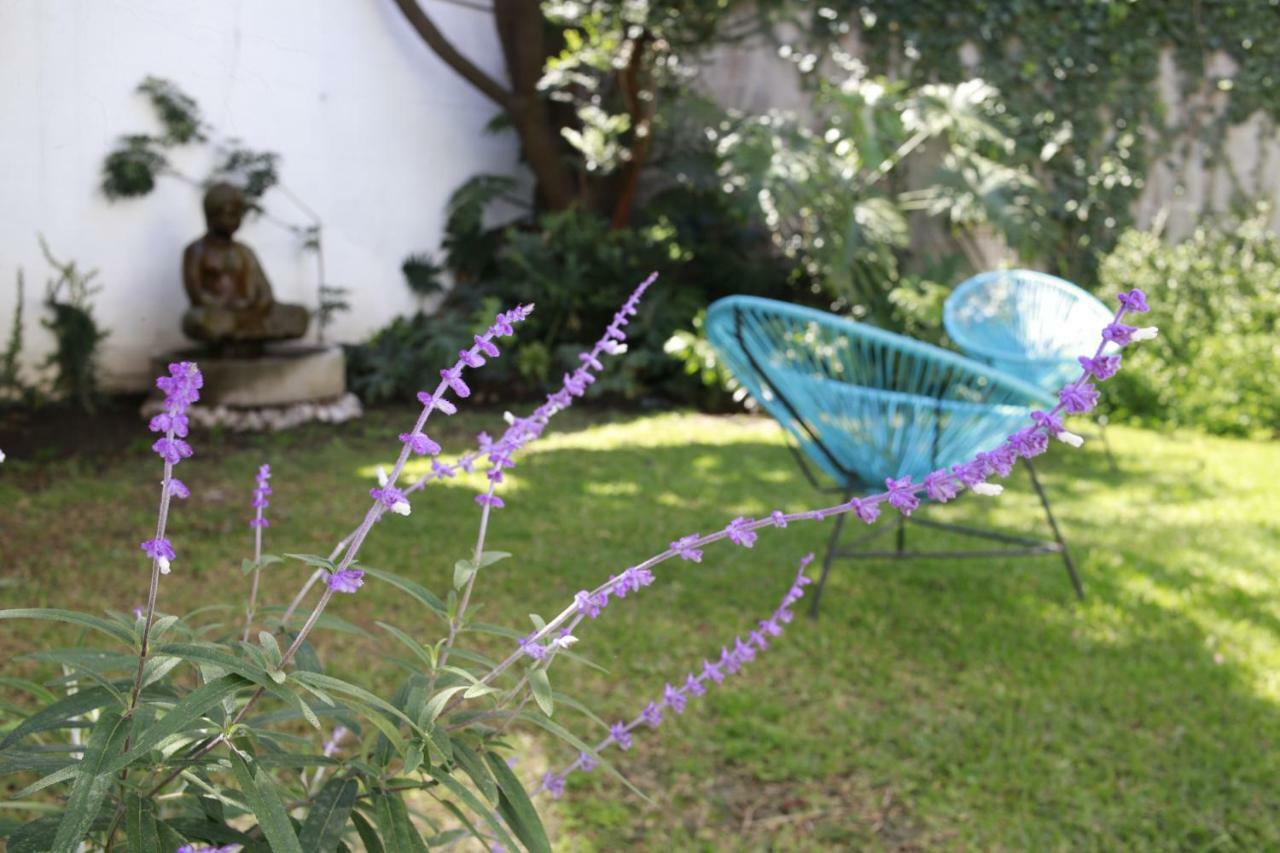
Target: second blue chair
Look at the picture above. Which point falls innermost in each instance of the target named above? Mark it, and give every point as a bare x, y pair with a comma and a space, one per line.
864, 404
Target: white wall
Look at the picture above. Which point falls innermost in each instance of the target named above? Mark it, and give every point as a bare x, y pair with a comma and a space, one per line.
374, 131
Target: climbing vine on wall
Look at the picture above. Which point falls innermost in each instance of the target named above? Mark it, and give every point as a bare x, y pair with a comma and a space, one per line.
1079, 79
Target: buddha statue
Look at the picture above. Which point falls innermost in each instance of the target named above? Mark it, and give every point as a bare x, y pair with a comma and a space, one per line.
232, 307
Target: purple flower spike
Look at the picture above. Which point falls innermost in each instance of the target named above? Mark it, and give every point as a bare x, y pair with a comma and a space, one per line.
1079, 397
940, 487
1135, 301
684, 548
740, 534
743, 651
553, 784
902, 494
1118, 333
1029, 443
161, 551
673, 698
172, 450
693, 686
652, 715
587, 762
470, 359
442, 470
391, 498
420, 443
178, 489
347, 580
1101, 368
486, 347
1048, 421
712, 671
260, 492
490, 501
778, 518
618, 734
866, 510
590, 605
453, 378
531, 647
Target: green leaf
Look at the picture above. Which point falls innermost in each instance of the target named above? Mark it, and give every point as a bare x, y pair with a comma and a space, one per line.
323, 827
417, 591
463, 571
471, 764
488, 558
368, 835
514, 805
269, 645
215, 655
60, 712
393, 822
141, 833
94, 623
412, 644
179, 718
541, 685
92, 783
264, 801
314, 560
476, 805
573, 740
60, 775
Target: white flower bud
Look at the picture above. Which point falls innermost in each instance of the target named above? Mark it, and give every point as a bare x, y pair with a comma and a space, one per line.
1070, 438
382, 475
565, 641
989, 489
164, 565
400, 507
1146, 333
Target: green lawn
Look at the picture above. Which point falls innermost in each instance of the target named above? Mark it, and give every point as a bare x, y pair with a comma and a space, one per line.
934, 705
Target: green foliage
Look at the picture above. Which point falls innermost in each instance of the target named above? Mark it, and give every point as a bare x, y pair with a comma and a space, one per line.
576, 269
76, 333
1079, 82
828, 194
1216, 298
11, 385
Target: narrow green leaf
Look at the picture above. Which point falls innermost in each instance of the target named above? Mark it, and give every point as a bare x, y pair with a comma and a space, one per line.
337, 685
60, 775
270, 647
541, 685
416, 590
471, 764
573, 740
141, 833
368, 835
323, 827
463, 570
488, 558
72, 617
59, 713
314, 560
514, 805
264, 801
92, 783
179, 718
201, 653
397, 830
477, 806
412, 644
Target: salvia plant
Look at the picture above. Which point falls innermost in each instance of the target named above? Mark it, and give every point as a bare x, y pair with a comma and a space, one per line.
189, 733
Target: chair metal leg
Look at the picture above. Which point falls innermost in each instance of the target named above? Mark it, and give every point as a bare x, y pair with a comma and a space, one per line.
1057, 534
826, 562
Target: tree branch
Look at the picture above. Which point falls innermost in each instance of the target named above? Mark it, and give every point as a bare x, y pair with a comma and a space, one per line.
443, 48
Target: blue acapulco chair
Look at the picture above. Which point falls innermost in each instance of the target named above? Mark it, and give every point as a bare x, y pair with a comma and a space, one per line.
1031, 325
864, 404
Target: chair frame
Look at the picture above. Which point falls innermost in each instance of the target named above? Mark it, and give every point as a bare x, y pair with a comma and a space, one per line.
854, 485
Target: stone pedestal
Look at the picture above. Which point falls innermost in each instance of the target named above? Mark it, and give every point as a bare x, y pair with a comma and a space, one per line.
286, 386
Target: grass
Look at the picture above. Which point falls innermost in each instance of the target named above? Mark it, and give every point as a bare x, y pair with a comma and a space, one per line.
934, 705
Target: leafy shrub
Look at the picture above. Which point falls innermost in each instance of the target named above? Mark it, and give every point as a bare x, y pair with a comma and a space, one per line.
1216, 299
575, 268
76, 333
